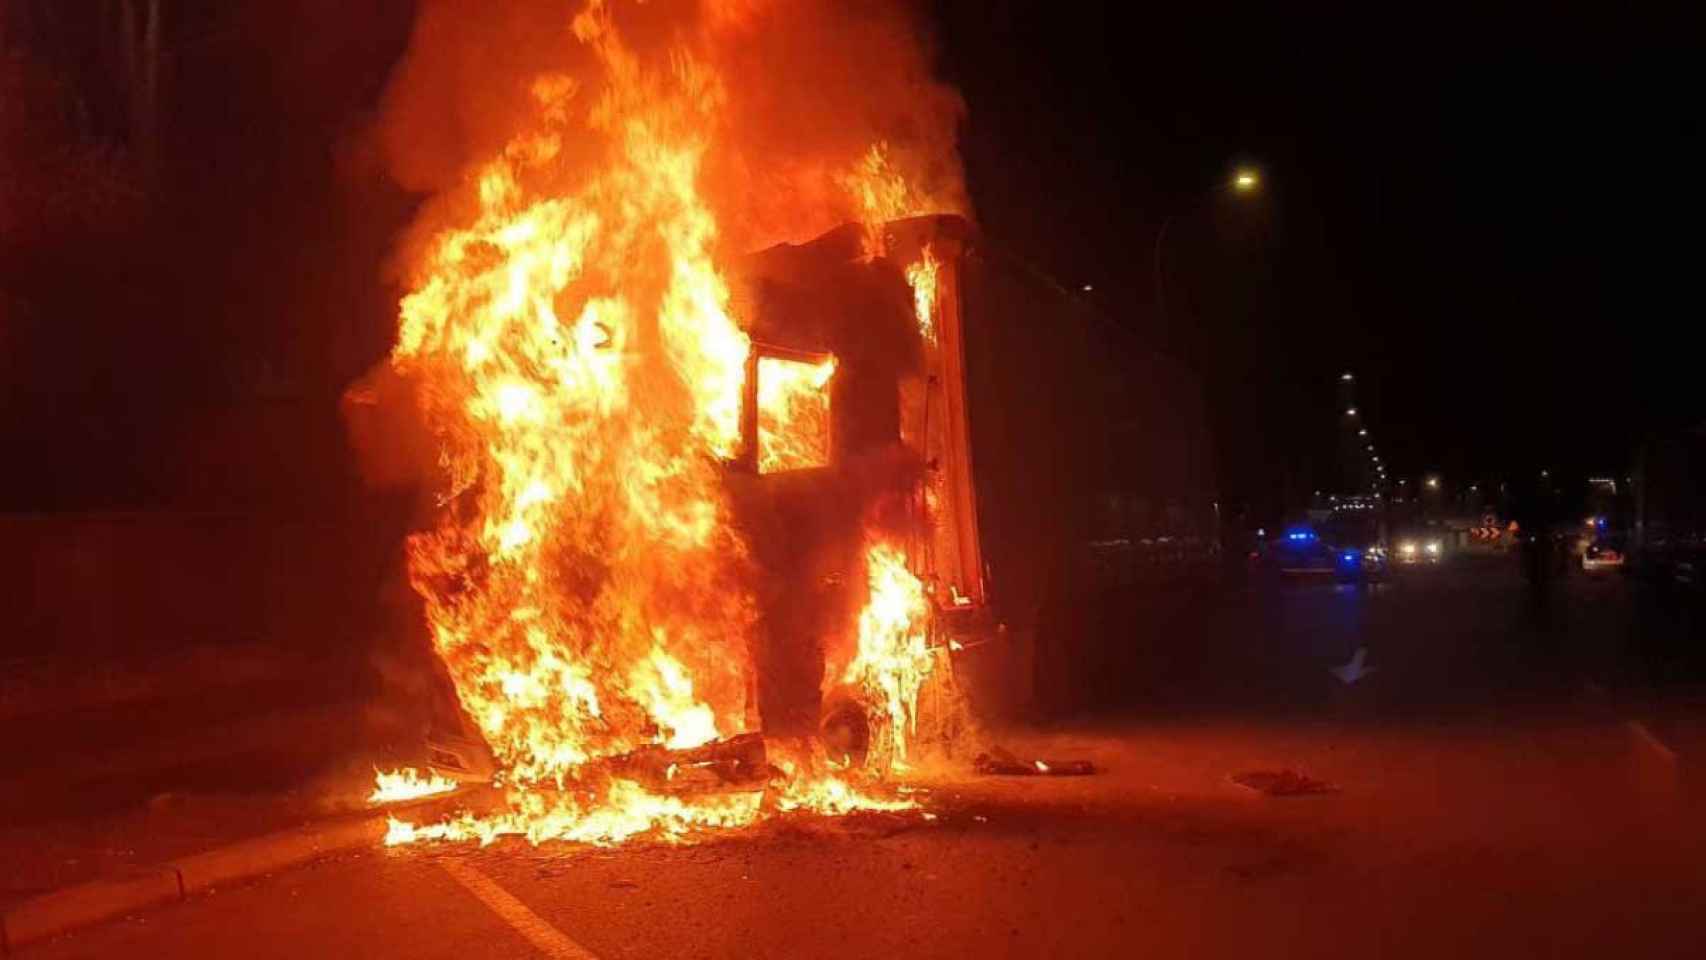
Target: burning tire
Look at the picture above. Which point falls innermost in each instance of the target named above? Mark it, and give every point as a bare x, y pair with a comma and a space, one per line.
846, 727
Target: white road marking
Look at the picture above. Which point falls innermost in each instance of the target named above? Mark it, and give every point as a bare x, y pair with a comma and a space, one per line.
1355, 670
1644, 734
547, 938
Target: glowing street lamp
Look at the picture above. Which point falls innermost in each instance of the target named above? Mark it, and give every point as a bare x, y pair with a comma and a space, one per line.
1245, 181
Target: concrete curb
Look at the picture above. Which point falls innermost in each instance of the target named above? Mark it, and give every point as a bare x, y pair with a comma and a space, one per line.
88, 903
252, 858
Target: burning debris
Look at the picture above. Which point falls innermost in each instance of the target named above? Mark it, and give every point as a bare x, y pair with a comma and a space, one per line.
635, 520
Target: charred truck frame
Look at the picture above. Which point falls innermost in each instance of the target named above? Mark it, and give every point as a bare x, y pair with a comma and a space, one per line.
884, 357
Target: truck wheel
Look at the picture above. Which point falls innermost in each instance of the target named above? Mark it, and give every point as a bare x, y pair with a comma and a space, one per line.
846, 728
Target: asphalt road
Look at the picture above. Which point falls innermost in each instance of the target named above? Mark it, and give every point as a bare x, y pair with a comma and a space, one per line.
1510, 783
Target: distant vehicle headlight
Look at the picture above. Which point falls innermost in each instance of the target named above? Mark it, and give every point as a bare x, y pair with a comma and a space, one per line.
1433, 547
1407, 548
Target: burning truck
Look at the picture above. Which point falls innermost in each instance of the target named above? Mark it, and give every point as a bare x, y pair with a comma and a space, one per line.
807, 608
703, 540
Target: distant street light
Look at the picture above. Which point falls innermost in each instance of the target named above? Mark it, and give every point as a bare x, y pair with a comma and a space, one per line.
1362, 432
1346, 376
1245, 181
1350, 411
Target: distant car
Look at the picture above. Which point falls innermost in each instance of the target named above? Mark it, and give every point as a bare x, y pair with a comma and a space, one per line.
1602, 556
1417, 550
1300, 552
1360, 564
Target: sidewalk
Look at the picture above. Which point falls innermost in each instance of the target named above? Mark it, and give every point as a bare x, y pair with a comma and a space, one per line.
71, 761
94, 870
95, 789
48, 855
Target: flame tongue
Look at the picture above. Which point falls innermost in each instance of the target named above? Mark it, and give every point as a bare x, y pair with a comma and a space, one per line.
893, 658
922, 277
407, 784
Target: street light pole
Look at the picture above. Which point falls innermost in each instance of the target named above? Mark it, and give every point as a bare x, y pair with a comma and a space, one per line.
1160, 284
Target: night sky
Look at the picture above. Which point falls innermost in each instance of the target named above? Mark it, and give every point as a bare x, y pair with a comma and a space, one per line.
1492, 221
1489, 221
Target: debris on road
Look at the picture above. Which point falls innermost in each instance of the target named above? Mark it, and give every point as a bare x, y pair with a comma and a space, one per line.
1000, 762
1282, 783
736, 762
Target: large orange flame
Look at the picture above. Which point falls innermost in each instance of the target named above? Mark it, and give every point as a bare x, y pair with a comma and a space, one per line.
585, 375
578, 359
